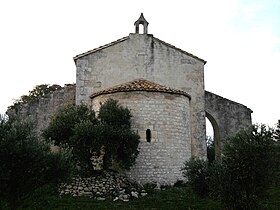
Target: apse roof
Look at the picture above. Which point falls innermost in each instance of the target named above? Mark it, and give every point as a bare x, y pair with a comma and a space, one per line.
140, 85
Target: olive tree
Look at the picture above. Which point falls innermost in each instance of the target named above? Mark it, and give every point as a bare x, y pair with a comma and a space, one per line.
78, 128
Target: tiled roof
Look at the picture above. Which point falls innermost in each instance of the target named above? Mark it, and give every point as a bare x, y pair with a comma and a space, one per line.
100, 48
140, 85
125, 38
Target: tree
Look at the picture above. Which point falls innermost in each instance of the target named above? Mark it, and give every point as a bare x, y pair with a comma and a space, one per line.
210, 149
277, 132
37, 92
61, 127
78, 128
74, 127
120, 142
27, 163
244, 173
248, 164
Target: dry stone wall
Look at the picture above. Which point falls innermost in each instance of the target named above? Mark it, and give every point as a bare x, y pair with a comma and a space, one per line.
110, 186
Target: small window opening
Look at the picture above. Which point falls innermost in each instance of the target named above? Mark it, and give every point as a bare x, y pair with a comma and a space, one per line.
141, 29
148, 135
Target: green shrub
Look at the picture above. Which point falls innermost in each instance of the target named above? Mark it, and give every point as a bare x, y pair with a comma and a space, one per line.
197, 173
216, 179
76, 127
243, 176
61, 127
27, 163
248, 162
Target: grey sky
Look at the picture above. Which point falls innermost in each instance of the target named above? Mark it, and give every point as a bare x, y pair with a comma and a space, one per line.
239, 39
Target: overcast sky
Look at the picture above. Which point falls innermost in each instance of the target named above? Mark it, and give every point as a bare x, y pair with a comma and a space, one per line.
239, 39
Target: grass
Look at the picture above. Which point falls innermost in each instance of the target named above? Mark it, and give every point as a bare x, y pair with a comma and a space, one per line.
170, 198
179, 198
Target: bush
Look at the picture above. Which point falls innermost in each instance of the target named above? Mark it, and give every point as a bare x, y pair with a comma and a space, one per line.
27, 163
78, 128
197, 173
248, 167
61, 127
243, 176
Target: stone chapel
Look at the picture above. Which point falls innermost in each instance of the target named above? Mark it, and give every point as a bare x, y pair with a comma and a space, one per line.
163, 86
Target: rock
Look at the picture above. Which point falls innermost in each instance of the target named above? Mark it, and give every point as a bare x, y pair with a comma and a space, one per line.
134, 194
122, 191
143, 194
115, 199
123, 197
100, 199
157, 186
89, 194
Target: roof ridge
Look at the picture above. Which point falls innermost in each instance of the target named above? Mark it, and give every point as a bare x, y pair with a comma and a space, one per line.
100, 48
125, 38
183, 51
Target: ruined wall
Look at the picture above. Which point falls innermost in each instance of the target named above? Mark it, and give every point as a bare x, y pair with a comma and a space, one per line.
42, 110
143, 56
168, 118
226, 116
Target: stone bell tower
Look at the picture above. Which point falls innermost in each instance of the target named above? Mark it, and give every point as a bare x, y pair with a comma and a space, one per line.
141, 21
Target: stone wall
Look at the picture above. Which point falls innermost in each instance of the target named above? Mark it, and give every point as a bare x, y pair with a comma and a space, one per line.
108, 185
226, 116
168, 118
143, 56
42, 110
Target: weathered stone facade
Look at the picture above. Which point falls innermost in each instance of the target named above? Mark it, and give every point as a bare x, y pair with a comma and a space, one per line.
146, 57
172, 113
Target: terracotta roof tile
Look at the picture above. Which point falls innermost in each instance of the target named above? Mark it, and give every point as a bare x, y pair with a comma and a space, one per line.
140, 85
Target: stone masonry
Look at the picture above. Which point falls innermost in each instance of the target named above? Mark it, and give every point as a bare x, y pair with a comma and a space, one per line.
167, 116
42, 110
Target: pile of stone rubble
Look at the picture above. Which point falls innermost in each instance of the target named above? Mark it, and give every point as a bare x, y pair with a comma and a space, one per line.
109, 185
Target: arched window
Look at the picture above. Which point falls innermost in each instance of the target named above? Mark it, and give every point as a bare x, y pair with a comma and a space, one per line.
148, 135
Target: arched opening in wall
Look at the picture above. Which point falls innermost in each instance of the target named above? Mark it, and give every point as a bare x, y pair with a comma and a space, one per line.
141, 29
148, 135
212, 138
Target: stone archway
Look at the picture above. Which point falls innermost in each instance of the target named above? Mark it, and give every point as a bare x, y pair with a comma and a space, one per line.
227, 118
216, 135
